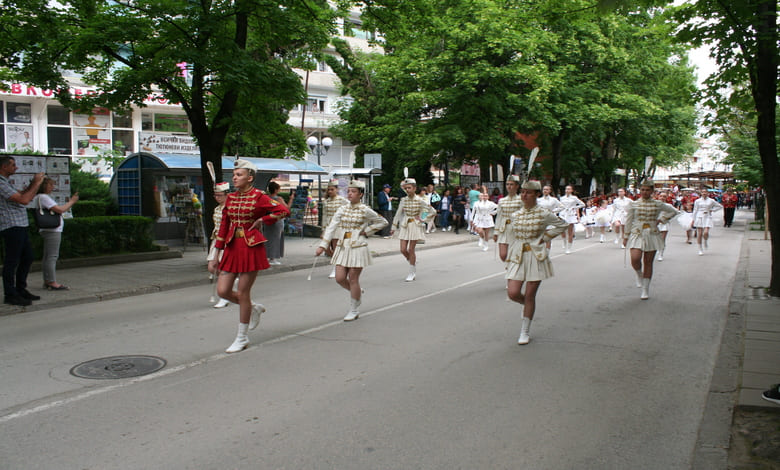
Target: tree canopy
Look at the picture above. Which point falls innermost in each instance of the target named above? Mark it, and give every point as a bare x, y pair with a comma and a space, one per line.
228, 64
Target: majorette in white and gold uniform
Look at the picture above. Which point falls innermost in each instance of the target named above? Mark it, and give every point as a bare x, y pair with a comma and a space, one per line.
570, 212
409, 217
641, 223
551, 203
620, 206
351, 225
331, 204
507, 206
702, 211
527, 258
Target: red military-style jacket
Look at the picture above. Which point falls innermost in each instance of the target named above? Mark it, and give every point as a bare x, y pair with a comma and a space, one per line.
241, 211
729, 201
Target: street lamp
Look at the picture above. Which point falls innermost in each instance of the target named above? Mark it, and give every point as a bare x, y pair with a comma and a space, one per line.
319, 149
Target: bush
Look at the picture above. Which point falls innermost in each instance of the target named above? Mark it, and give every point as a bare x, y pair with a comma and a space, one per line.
90, 209
95, 236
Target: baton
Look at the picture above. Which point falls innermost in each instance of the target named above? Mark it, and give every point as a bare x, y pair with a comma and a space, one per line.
312, 268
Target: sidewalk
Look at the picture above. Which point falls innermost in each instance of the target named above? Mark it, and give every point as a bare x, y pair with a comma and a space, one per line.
739, 429
111, 281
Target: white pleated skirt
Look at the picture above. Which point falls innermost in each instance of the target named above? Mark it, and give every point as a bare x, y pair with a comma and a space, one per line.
412, 231
351, 257
684, 220
703, 221
529, 268
647, 240
484, 221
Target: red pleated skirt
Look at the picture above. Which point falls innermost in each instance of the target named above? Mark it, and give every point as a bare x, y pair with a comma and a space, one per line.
238, 257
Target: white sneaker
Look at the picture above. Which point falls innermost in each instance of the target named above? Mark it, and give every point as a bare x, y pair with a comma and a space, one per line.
700, 252
432, 230
616, 241
222, 303
661, 257
274, 262
480, 243
485, 247
254, 320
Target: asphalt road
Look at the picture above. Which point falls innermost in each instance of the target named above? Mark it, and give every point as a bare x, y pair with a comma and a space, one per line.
430, 376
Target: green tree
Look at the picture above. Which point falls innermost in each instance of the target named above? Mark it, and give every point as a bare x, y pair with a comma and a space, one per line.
743, 35
238, 58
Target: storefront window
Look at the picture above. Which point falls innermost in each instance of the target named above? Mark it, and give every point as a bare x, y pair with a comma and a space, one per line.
123, 141
147, 121
171, 123
58, 115
59, 140
122, 120
19, 112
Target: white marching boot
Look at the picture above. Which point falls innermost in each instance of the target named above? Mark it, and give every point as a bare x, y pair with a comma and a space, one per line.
241, 339
524, 329
706, 245
353, 313
660, 255
567, 245
645, 289
701, 252
601, 238
638, 278
221, 303
332, 274
412, 273
485, 245
257, 310
480, 243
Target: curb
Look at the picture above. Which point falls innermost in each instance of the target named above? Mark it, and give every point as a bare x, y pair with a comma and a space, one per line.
201, 281
714, 440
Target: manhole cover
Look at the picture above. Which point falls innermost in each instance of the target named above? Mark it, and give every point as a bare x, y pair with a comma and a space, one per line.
118, 367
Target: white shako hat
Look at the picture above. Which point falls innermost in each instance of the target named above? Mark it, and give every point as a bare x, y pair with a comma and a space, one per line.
408, 181
357, 184
334, 183
221, 187
240, 163
647, 182
532, 185
514, 178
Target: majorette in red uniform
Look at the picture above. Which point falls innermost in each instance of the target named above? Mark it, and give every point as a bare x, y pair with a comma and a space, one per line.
243, 247
729, 202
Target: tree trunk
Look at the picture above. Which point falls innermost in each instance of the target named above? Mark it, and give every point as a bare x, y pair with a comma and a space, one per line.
557, 151
764, 86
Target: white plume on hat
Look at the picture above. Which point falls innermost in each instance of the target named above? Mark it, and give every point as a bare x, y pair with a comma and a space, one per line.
222, 187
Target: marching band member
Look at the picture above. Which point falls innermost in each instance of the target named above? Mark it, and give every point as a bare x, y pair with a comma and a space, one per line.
482, 215
507, 206
220, 195
350, 227
242, 246
643, 238
408, 218
620, 206
330, 205
570, 213
702, 218
527, 259
549, 202
603, 218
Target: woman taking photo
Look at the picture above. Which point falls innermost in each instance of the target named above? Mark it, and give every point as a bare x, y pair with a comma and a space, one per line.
52, 236
350, 227
243, 247
528, 261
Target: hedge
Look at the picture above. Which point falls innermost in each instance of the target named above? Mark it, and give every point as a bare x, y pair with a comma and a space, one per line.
95, 236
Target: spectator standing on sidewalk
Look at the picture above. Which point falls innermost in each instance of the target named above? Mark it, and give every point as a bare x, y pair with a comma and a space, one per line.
274, 247
445, 208
52, 236
13, 228
385, 203
459, 204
